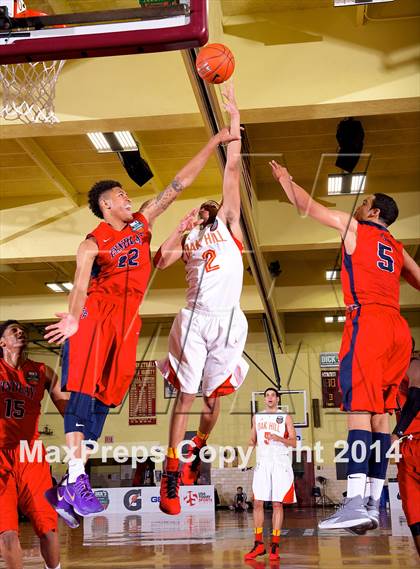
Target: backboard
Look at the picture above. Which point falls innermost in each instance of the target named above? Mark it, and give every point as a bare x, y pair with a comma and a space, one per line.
94, 28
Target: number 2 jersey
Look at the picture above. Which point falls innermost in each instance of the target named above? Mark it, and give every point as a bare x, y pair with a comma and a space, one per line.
371, 275
21, 393
213, 261
122, 266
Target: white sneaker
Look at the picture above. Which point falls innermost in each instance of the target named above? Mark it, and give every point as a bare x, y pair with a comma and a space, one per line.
352, 512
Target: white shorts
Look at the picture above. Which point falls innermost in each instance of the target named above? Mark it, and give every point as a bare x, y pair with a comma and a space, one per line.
274, 482
206, 347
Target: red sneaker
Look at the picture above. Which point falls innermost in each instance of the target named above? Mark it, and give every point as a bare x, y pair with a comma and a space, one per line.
274, 552
169, 488
257, 550
191, 470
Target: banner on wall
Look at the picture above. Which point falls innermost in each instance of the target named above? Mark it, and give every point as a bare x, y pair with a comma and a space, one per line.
142, 397
328, 359
331, 396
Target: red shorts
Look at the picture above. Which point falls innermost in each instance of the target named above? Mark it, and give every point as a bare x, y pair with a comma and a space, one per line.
374, 356
100, 359
22, 485
409, 479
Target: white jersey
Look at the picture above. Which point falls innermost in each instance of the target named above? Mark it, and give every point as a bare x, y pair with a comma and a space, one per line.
268, 450
213, 261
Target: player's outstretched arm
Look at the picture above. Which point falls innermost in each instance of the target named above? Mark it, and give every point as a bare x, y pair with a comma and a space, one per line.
230, 210
411, 271
58, 397
69, 321
185, 177
253, 436
303, 202
171, 250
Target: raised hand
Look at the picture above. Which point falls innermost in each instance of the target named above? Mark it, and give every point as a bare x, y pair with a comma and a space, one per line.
226, 136
280, 173
229, 101
190, 221
63, 329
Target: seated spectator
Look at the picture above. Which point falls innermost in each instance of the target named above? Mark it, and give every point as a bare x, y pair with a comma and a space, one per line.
240, 501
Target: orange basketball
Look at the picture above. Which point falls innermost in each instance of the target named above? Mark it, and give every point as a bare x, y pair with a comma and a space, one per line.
215, 63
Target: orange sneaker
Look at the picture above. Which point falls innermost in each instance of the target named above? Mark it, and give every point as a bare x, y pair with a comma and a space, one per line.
274, 552
169, 489
191, 470
257, 550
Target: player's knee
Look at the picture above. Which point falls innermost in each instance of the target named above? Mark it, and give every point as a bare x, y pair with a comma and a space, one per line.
258, 504
277, 506
185, 399
9, 541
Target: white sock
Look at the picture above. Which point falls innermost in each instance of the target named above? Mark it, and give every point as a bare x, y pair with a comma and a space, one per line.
356, 484
76, 468
376, 486
367, 488
58, 567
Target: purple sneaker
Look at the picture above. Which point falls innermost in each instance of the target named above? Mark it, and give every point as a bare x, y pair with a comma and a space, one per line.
80, 496
55, 496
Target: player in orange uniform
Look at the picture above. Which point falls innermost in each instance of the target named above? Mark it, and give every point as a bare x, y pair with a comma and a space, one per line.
23, 482
375, 349
408, 429
102, 325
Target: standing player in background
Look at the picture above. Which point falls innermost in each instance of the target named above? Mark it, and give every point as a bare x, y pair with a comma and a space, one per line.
375, 349
274, 435
408, 430
102, 325
208, 337
23, 383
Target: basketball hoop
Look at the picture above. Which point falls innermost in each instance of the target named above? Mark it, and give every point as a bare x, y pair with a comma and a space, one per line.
29, 88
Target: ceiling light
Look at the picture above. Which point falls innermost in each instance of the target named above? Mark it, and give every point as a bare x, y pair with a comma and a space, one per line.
120, 141
332, 319
59, 287
344, 184
339, 3
333, 275
99, 141
126, 141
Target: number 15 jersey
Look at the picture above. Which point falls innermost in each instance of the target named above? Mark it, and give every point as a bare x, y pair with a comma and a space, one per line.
213, 261
371, 275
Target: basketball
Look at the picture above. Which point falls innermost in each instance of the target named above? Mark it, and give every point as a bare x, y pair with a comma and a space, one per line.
215, 63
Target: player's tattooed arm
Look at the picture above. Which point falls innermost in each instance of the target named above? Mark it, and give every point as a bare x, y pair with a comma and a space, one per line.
58, 397
171, 250
185, 177
69, 321
411, 271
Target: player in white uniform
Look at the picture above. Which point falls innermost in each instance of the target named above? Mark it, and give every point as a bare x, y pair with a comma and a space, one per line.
208, 336
273, 434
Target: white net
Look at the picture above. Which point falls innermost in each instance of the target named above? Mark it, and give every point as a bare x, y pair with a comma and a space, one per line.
29, 91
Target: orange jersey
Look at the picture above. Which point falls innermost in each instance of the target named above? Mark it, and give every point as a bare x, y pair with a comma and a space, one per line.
371, 275
414, 428
122, 266
21, 392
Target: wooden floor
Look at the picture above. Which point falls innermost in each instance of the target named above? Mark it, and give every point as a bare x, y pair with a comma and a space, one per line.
206, 541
